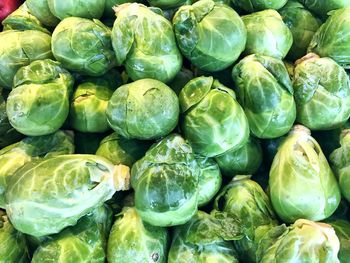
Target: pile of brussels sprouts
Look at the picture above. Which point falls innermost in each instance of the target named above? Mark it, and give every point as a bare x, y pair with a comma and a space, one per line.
175, 131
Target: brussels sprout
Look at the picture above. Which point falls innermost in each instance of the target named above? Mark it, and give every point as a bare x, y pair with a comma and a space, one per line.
165, 181
303, 25
340, 160
213, 121
132, 240
84, 242
20, 48
209, 34
8, 134
245, 199
166, 4
267, 34
84, 46
89, 104
145, 109
120, 150
87, 143
180, 80
302, 185
322, 93
244, 160
80, 8
209, 181
13, 248
342, 229
322, 7
266, 95
81, 183
258, 5
205, 239
39, 103
109, 11
15, 156
22, 19
41, 10
304, 241
332, 39
143, 54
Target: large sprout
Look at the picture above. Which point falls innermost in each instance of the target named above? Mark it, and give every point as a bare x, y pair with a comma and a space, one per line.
16, 155
303, 25
145, 109
84, 46
165, 181
39, 206
332, 39
302, 185
132, 240
208, 46
303, 241
77, 8
39, 103
20, 48
213, 121
245, 199
145, 53
265, 92
244, 160
267, 34
40, 9
322, 93
13, 247
84, 242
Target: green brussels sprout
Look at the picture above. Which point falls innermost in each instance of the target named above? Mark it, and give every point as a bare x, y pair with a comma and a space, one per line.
84, 46
323, 7
303, 25
267, 34
22, 19
39, 206
120, 150
145, 109
20, 48
89, 104
302, 185
40, 9
84, 242
209, 182
80, 8
340, 160
245, 199
13, 248
209, 34
205, 239
17, 155
144, 54
8, 134
322, 93
304, 241
213, 121
166, 4
165, 181
133, 241
180, 80
258, 5
39, 103
265, 92
332, 39
244, 160
87, 143
342, 229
